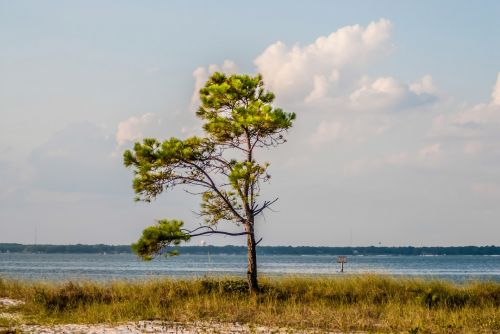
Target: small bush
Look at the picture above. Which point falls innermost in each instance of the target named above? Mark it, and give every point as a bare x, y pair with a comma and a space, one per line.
231, 286
71, 295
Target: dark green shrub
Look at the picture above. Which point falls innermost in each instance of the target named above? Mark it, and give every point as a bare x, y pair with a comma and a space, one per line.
71, 295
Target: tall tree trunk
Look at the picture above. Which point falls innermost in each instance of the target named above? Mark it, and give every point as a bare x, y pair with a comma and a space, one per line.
253, 284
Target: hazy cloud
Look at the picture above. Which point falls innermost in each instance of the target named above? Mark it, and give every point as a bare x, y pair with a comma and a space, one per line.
347, 130
79, 159
14, 176
425, 157
136, 127
495, 95
473, 147
485, 189
479, 121
429, 151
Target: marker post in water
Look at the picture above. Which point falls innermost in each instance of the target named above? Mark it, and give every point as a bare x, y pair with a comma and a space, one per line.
341, 260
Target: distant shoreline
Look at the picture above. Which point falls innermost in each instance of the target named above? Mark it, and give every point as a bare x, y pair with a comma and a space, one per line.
263, 250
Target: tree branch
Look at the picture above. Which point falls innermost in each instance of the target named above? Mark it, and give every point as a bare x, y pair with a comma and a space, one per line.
218, 232
209, 231
217, 191
264, 206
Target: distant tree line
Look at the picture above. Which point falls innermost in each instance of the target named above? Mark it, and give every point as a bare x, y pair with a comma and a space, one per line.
263, 250
75, 249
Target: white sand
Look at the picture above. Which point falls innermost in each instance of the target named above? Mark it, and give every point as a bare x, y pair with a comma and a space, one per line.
158, 327
8, 302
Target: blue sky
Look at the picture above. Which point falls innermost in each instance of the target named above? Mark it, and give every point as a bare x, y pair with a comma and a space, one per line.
396, 139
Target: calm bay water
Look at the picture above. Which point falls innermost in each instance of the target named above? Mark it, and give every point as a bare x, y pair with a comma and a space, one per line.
128, 266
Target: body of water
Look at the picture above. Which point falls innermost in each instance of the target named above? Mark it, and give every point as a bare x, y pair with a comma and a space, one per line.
128, 266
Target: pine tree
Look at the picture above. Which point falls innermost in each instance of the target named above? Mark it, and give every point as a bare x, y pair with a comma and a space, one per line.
239, 118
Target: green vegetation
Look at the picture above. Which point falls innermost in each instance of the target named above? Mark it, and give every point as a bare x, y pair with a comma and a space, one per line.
262, 250
367, 303
64, 249
238, 118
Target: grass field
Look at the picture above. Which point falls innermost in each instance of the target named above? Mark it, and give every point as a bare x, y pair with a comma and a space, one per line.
350, 303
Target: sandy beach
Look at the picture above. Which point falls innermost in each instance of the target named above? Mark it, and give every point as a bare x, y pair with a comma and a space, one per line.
159, 327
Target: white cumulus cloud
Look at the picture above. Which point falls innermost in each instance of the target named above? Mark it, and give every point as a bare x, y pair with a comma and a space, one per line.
387, 93
424, 86
136, 127
328, 76
312, 70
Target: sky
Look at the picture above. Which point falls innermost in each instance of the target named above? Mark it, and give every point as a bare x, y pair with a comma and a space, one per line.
396, 141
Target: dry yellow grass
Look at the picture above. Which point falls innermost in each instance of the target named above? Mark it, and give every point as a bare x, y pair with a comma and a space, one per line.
351, 303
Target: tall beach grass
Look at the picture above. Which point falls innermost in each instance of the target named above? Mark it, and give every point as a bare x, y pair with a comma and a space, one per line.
350, 303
